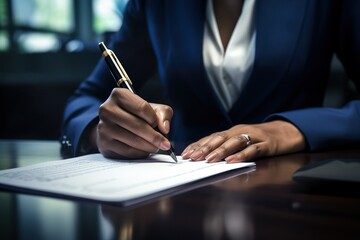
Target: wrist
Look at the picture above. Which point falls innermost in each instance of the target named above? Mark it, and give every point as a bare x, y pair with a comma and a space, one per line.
290, 134
88, 140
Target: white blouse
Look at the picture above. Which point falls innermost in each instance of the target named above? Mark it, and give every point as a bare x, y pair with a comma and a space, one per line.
228, 71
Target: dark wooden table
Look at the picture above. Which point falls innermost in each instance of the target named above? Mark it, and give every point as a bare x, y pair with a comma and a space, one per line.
263, 204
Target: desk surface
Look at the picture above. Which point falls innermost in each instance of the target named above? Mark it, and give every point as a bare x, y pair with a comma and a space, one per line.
264, 204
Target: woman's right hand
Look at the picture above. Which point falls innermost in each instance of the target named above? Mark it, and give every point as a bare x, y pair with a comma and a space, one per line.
126, 126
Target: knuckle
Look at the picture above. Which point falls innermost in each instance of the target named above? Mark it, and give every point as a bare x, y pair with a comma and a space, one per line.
144, 109
238, 138
142, 106
206, 148
100, 126
157, 138
220, 135
222, 149
104, 110
136, 125
241, 156
169, 110
194, 146
116, 93
257, 150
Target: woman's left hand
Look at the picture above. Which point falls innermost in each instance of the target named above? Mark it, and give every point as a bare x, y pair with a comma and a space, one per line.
247, 142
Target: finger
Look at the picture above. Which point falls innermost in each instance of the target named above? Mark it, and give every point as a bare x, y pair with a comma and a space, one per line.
134, 104
208, 145
193, 147
111, 131
249, 153
116, 149
133, 124
187, 151
164, 115
229, 147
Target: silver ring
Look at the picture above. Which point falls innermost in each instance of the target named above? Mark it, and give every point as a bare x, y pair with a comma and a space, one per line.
247, 138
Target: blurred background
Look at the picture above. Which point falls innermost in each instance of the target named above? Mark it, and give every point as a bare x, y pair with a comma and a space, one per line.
47, 47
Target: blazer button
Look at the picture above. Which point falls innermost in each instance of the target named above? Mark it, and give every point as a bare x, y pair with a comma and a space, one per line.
65, 142
66, 149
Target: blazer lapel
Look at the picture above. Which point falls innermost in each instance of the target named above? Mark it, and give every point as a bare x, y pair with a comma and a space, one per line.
187, 39
278, 25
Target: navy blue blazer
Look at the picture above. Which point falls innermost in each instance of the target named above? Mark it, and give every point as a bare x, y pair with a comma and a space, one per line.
295, 42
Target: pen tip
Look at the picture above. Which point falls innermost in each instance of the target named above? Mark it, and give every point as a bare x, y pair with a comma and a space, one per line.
173, 156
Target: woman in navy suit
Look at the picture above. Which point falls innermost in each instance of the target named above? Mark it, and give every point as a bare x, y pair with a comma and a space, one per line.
245, 79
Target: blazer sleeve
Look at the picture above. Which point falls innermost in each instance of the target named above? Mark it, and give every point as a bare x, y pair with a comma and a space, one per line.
325, 128
81, 110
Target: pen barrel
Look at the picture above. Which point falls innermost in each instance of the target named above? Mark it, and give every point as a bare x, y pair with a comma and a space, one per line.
114, 72
120, 79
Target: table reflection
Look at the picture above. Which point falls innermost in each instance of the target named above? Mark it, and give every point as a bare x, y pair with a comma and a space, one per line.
260, 204
132, 223
228, 218
46, 218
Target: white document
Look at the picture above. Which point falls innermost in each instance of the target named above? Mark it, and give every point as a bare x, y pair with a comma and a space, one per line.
98, 178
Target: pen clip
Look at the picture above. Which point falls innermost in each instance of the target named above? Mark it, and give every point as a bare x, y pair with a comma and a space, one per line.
116, 60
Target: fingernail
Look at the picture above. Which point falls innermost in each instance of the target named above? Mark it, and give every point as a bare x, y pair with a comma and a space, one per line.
184, 154
167, 126
165, 145
187, 153
229, 159
211, 157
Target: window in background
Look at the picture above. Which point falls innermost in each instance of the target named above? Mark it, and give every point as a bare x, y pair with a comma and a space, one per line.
40, 23
108, 15
55, 15
28, 26
4, 40
3, 15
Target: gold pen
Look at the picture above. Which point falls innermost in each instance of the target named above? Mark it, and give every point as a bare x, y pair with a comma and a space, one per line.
122, 79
